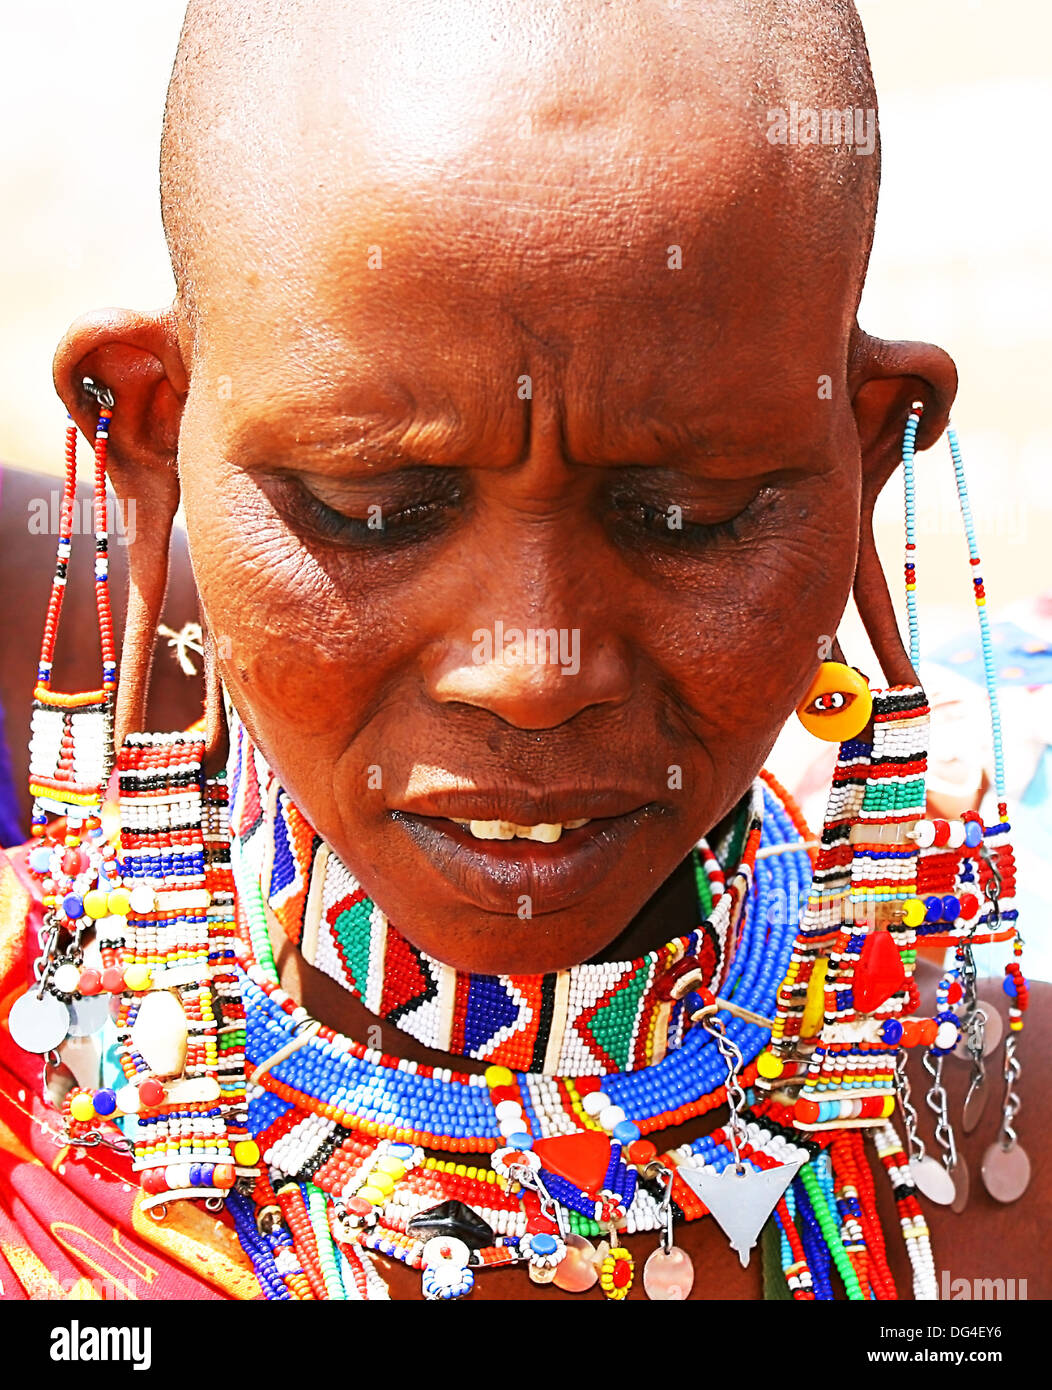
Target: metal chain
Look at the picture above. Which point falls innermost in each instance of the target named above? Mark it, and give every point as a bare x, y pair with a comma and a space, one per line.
47, 940
731, 1054
909, 1114
973, 1023
993, 888
937, 1103
550, 1207
1011, 1103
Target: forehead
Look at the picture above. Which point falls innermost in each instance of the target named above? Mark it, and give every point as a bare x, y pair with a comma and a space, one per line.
437, 227
650, 279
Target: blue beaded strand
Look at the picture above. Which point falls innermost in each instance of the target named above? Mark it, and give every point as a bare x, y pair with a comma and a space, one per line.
909, 440
989, 666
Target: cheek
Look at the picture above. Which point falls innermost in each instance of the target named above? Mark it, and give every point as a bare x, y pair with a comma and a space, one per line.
740, 647
290, 651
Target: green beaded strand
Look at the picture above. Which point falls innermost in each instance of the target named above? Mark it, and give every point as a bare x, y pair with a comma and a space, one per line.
250, 896
327, 1255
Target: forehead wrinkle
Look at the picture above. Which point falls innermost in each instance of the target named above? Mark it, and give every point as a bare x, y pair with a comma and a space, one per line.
444, 439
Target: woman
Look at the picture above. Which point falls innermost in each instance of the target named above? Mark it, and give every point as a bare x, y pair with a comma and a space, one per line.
512, 589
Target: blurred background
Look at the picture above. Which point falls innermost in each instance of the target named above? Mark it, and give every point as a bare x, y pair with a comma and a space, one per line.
961, 258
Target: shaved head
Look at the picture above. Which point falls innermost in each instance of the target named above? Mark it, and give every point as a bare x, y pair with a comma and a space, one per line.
287, 121
530, 314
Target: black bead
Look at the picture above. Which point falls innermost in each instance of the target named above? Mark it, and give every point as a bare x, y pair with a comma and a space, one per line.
452, 1218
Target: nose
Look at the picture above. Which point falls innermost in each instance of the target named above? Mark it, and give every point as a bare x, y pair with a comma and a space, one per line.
547, 652
529, 676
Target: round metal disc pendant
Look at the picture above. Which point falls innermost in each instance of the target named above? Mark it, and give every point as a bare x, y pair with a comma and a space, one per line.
38, 1025
974, 1105
1006, 1172
932, 1179
962, 1184
993, 1032
87, 1015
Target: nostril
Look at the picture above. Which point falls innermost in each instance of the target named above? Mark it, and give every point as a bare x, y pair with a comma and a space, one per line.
530, 678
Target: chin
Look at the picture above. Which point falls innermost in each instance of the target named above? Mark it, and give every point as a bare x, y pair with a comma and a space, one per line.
518, 906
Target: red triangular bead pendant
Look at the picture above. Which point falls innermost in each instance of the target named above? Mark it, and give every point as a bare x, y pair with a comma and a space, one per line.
879, 972
581, 1158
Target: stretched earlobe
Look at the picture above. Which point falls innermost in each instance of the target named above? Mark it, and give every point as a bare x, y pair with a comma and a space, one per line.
217, 736
136, 357
886, 379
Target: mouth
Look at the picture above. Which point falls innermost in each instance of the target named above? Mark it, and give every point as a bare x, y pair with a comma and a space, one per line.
524, 867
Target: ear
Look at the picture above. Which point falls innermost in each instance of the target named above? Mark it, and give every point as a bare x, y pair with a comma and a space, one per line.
885, 379
135, 355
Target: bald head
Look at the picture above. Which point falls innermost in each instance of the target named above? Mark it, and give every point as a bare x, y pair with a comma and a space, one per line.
287, 120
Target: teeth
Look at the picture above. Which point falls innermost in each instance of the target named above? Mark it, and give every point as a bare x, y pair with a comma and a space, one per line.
546, 833
492, 829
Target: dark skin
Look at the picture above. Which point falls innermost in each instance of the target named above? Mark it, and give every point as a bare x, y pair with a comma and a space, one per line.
312, 386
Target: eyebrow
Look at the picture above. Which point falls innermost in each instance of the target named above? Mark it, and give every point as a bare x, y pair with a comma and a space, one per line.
375, 442
438, 441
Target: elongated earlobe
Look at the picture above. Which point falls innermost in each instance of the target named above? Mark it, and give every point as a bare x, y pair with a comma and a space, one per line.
217, 737
136, 357
886, 378
147, 585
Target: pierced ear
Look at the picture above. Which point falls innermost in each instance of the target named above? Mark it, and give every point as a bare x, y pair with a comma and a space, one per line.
137, 357
886, 378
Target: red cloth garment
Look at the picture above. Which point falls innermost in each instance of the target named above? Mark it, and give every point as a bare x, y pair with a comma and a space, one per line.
70, 1221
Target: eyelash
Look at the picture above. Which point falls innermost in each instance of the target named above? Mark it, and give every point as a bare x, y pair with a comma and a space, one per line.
415, 521
408, 522
693, 534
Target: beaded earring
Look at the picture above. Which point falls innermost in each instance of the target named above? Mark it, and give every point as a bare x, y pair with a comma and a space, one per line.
991, 875
838, 704
70, 759
886, 878
160, 909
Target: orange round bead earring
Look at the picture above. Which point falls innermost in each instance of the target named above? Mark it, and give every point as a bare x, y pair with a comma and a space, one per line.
838, 703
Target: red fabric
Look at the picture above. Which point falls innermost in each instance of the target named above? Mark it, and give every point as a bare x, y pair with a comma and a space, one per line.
70, 1225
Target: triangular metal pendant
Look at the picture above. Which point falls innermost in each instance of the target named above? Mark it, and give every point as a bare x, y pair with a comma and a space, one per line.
741, 1203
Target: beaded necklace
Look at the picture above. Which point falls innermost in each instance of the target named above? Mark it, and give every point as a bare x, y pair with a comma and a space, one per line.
588, 1020
344, 1133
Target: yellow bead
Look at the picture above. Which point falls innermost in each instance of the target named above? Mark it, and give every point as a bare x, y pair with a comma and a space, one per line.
392, 1165
913, 912
138, 977
853, 703
95, 903
767, 1064
372, 1194
498, 1076
815, 1002
383, 1182
82, 1108
118, 903
246, 1153
888, 1108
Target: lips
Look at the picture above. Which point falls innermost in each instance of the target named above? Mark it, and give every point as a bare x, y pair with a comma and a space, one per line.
521, 876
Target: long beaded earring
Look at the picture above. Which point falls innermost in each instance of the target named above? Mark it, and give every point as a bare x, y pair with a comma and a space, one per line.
70, 759
161, 911
965, 889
